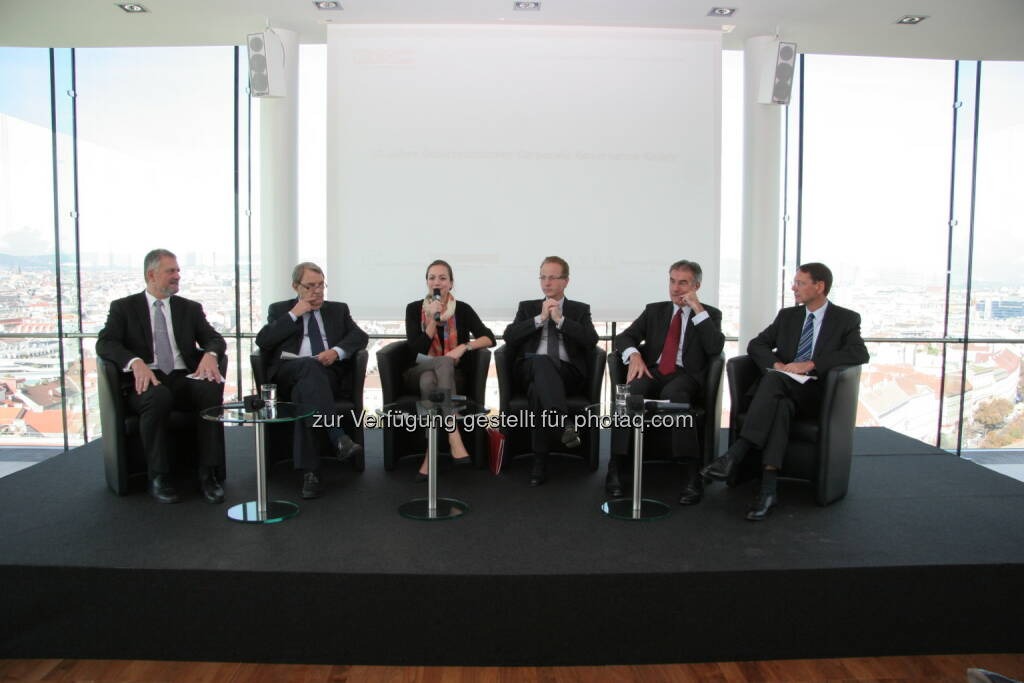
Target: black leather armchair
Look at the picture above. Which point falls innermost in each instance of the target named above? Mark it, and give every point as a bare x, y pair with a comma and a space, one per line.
393, 360
820, 449
124, 459
706, 411
278, 437
514, 402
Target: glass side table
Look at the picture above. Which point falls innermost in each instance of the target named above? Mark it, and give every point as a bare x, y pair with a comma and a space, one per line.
433, 415
638, 508
260, 511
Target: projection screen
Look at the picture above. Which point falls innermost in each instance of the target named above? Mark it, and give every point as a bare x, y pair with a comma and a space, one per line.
495, 146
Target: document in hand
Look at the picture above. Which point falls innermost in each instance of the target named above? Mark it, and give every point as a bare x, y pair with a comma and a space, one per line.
802, 379
288, 355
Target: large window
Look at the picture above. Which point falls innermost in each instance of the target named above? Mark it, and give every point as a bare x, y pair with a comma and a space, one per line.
903, 175
920, 237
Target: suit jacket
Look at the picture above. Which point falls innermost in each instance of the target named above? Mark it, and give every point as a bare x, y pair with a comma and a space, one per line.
839, 341
128, 332
701, 342
578, 332
281, 333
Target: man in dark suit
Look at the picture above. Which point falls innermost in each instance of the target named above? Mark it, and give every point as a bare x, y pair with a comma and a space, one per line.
552, 341
810, 339
679, 339
324, 338
169, 356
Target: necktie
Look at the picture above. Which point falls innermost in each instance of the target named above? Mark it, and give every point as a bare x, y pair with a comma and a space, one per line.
164, 355
316, 341
667, 364
553, 340
806, 345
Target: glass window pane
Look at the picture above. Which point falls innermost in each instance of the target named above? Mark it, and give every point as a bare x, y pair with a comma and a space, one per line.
877, 135
156, 169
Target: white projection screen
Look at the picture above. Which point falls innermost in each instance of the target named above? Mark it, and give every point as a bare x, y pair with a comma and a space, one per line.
494, 146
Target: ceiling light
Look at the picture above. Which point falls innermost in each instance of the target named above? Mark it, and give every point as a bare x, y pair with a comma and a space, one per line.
327, 4
911, 19
722, 11
132, 7
524, 6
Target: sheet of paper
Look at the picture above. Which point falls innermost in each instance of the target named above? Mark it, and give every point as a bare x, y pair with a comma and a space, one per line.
802, 379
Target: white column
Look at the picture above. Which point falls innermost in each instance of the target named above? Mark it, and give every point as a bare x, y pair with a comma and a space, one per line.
279, 179
762, 184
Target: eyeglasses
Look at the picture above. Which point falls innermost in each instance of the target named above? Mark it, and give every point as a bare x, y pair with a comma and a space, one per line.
318, 287
551, 278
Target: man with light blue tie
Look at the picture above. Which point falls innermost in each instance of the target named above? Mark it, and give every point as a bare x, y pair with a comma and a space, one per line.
319, 339
807, 339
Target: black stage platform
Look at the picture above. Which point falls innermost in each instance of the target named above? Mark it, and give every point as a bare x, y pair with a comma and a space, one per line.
925, 555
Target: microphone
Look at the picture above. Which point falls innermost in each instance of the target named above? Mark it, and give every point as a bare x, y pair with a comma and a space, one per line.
437, 297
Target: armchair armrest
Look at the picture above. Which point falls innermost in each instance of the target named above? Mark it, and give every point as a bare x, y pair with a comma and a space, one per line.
503, 366
479, 364
597, 375
359, 362
741, 372
836, 421
390, 363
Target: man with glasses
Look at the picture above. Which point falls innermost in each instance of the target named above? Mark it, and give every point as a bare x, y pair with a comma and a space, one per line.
810, 338
679, 337
552, 341
308, 341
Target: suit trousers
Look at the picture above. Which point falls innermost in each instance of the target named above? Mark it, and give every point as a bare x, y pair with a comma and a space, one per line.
154, 406
314, 384
776, 400
547, 383
678, 387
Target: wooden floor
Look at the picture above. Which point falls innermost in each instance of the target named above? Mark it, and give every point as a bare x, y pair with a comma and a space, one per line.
889, 669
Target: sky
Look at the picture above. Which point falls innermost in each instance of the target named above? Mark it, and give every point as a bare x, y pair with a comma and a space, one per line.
155, 132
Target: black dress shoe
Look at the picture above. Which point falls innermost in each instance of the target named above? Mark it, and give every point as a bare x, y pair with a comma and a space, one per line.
348, 448
162, 489
570, 438
311, 486
420, 477
693, 491
538, 473
613, 486
720, 468
211, 489
762, 505
463, 462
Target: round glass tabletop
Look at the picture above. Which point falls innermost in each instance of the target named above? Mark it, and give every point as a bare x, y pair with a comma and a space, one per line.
282, 411
460, 407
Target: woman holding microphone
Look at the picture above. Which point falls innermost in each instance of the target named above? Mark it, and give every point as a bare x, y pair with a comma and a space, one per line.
440, 330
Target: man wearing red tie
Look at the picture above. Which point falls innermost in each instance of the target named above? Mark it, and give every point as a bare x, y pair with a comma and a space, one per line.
668, 349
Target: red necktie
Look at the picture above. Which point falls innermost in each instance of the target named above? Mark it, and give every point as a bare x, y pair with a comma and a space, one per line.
667, 364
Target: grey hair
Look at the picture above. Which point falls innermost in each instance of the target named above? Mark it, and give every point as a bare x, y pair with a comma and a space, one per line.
298, 270
691, 266
152, 260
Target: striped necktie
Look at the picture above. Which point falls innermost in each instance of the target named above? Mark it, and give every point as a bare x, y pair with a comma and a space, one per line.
806, 345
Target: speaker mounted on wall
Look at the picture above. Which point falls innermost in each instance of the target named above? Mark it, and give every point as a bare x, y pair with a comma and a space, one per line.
266, 64
777, 79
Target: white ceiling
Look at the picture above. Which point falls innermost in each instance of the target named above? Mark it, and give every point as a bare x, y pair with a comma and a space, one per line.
961, 29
